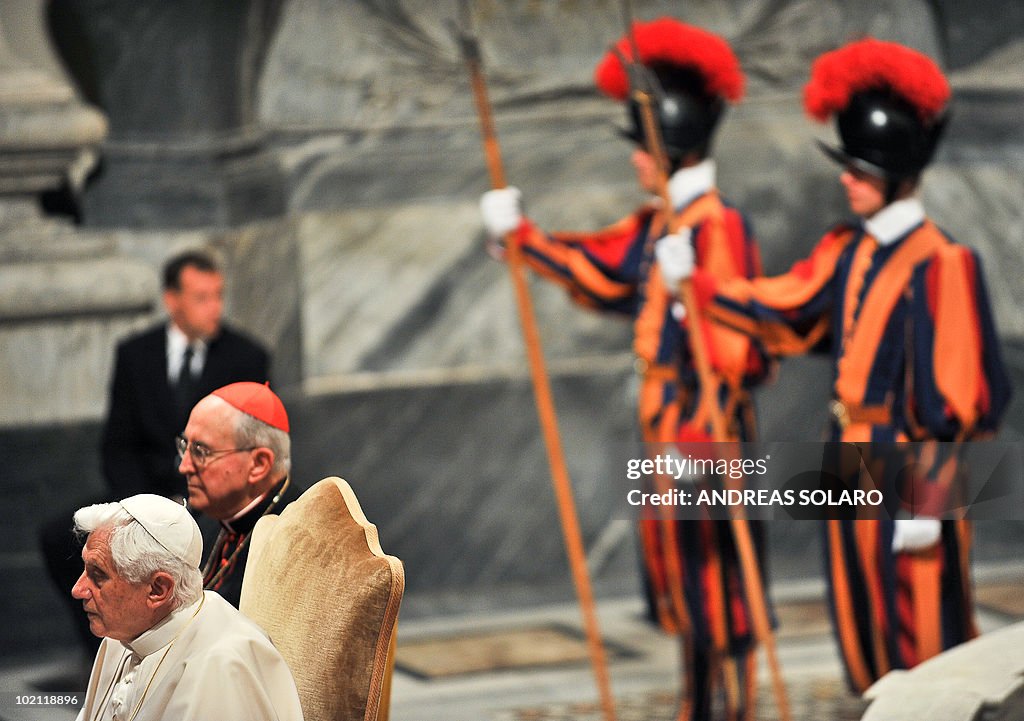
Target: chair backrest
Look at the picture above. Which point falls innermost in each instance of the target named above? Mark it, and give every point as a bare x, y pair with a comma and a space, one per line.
319, 584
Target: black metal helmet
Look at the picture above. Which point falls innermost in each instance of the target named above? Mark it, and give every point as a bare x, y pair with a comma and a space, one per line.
883, 134
890, 104
687, 115
690, 75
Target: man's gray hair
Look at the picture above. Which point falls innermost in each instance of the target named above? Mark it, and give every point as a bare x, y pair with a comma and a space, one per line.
251, 432
136, 554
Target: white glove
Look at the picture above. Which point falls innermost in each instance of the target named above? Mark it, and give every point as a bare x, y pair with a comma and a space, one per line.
915, 534
501, 210
675, 257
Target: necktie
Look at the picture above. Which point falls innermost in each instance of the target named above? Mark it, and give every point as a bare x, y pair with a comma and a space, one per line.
184, 388
185, 376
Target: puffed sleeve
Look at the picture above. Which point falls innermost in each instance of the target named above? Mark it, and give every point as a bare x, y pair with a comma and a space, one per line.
788, 313
960, 385
601, 270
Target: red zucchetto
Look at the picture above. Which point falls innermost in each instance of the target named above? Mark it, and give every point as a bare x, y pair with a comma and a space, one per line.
256, 400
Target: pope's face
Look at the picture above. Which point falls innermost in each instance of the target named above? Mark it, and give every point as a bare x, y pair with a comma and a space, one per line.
116, 608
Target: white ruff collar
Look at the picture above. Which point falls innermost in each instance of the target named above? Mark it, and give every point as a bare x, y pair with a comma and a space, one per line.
895, 220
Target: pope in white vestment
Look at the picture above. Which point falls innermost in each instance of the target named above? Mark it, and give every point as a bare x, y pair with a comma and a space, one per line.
170, 651
204, 662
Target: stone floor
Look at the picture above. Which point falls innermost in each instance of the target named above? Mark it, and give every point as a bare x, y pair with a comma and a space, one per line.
644, 678
811, 699
643, 663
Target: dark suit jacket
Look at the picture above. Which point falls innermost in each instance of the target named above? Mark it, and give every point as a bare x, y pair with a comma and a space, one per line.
142, 420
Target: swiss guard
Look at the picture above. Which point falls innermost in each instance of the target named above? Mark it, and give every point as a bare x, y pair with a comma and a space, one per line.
904, 312
694, 582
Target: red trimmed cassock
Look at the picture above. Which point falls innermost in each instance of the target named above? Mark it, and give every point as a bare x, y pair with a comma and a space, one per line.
905, 315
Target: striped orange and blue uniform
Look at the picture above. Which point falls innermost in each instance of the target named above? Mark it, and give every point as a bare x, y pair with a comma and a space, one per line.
695, 586
915, 357
614, 270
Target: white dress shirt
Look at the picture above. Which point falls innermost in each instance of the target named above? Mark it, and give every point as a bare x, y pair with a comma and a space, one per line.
176, 344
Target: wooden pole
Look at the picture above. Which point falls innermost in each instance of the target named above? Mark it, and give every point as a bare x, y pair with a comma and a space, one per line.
542, 394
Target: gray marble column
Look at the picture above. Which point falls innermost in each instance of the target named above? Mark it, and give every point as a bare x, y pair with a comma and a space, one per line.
46, 134
177, 81
64, 295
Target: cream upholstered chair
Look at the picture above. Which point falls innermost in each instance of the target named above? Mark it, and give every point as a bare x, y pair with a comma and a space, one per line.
319, 584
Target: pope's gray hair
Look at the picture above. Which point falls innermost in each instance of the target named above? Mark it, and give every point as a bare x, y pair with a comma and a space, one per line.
136, 554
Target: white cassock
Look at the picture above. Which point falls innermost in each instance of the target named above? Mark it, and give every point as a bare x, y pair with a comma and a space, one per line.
204, 662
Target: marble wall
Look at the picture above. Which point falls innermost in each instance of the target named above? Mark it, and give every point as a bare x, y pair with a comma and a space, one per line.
177, 82
355, 121
389, 148
330, 151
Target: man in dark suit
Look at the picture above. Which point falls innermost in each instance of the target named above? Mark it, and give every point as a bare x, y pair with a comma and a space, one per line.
162, 372
159, 374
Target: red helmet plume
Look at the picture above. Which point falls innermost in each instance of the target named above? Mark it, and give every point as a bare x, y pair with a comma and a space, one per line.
872, 64
671, 42
889, 102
